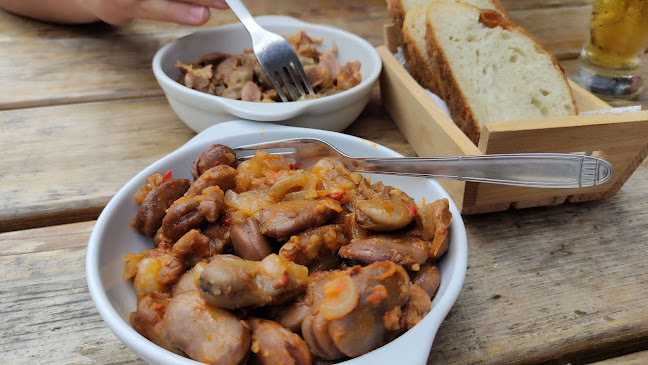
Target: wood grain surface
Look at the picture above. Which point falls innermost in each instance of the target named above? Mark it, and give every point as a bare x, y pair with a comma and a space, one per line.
100, 62
81, 113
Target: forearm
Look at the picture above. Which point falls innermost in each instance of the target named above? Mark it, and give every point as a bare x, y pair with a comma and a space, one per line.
59, 11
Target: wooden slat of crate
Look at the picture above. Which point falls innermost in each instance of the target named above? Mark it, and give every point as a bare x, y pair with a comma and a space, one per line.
618, 138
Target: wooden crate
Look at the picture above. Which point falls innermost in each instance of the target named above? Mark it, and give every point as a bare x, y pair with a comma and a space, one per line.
620, 138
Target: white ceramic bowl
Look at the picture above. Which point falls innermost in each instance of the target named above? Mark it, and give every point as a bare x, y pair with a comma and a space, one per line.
112, 238
200, 110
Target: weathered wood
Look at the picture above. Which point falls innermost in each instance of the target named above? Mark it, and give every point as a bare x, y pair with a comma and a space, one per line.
553, 284
100, 62
63, 163
637, 358
47, 313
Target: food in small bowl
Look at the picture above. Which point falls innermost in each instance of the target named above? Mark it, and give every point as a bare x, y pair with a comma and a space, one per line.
277, 276
334, 111
241, 77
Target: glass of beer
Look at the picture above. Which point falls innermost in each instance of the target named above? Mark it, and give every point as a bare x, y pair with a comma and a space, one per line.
618, 36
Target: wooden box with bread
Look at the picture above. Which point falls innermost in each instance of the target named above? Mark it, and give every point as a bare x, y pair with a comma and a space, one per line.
504, 92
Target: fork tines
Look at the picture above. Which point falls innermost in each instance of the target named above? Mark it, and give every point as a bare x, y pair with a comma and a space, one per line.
293, 78
283, 67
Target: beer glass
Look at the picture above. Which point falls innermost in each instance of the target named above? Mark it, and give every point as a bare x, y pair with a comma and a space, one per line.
618, 36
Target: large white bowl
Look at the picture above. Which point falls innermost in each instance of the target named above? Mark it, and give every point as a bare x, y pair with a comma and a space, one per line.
200, 110
112, 238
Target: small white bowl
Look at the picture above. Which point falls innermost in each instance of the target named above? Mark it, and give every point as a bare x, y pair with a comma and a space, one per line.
112, 238
201, 110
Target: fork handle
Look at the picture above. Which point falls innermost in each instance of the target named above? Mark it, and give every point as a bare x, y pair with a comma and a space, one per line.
243, 14
545, 170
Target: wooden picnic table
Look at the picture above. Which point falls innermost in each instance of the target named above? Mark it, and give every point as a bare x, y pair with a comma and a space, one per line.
81, 113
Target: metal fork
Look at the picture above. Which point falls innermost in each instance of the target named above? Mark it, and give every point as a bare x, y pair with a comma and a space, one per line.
541, 170
275, 55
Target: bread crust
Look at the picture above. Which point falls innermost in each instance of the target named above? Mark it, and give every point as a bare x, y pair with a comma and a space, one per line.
397, 11
418, 65
417, 61
451, 93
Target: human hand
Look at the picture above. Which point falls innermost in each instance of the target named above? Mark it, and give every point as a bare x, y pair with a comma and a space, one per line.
121, 12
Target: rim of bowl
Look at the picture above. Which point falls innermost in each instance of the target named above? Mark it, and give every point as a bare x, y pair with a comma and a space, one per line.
202, 100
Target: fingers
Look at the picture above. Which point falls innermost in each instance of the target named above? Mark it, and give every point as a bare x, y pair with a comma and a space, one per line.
219, 4
185, 12
173, 11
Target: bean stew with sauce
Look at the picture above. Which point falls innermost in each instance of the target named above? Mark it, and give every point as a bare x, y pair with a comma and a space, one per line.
267, 262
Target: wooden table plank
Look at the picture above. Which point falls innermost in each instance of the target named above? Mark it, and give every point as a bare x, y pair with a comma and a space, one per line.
45, 304
63, 163
638, 358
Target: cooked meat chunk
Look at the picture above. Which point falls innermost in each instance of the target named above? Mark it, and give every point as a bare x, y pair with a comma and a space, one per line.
287, 218
240, 76
274, 344
214, 155
357, 310
434, 219
314, 243
248, 241
384, 209
241, 283
190, 249
405, 251
144, 269
222, 176
153, 208
192, 211
196, 77
205, 333
292, 315
219, 236
251, 92
189, 280
147, 320
416, 308
152, 182
428, 277
349, 76
352, 229
159, 239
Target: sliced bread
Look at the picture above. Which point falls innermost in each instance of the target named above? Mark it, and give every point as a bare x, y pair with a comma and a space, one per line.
490, 69
412, 35
398, 8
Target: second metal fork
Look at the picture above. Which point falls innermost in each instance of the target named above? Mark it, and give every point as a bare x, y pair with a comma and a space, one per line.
275, 55
543, 170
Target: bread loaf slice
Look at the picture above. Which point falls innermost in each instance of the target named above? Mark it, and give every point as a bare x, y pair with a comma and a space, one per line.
412, 35
398, 8
490, 69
